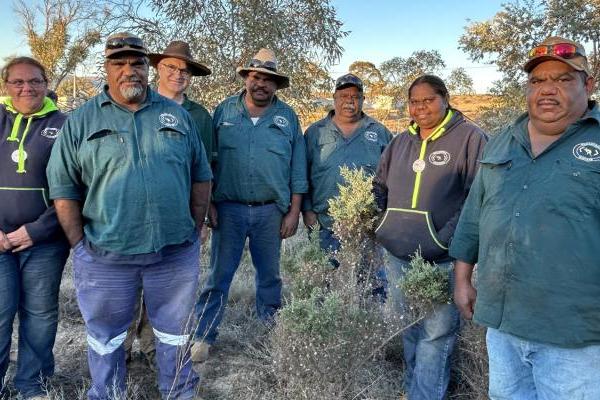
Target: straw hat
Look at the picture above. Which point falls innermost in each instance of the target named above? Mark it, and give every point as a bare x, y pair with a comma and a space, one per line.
265, 62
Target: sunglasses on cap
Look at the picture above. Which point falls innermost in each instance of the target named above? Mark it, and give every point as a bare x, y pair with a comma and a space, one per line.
120, 42
562, 50
255, 63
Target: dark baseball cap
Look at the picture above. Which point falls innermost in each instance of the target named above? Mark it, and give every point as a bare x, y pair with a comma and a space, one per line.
124, 42
348, 80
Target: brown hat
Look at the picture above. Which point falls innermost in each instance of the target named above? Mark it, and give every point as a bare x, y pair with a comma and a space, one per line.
265, 62
560, 49
181, 50
124, 42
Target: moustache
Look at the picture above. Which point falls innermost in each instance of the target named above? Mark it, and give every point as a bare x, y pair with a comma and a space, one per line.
130, 79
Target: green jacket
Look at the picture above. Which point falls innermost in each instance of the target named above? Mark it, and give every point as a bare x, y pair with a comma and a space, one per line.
533, 226
327, 151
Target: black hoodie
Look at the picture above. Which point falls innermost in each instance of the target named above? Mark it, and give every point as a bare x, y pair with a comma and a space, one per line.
422, 185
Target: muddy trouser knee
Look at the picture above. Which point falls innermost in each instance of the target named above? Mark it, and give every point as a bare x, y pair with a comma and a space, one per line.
107, 294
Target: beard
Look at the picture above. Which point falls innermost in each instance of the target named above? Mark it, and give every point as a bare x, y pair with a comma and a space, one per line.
132, 92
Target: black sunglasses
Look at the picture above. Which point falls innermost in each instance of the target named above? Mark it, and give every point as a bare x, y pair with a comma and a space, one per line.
270, 65
120, 42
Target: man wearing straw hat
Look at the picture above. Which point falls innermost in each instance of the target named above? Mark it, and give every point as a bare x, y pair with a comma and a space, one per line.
175, 67
259, 181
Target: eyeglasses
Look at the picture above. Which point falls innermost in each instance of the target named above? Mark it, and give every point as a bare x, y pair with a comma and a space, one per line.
270, 65
562, 50
120, 42
427, 101
20, 83
172, 69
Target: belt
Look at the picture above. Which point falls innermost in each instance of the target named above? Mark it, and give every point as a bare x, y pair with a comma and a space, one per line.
256, 203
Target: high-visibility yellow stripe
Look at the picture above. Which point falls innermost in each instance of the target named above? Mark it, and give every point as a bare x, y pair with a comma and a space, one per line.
415, 195
24, 189
432, 232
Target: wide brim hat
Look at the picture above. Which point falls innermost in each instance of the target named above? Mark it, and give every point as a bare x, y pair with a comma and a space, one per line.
265, 62
181, 50
578, 63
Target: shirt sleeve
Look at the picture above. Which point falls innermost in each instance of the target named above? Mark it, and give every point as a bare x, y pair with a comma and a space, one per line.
44, 227
299, 182
63, 170
380, 189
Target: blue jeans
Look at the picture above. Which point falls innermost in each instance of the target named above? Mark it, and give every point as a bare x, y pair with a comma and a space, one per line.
330, 243
428, 345
29, 285
107, 294
261, 225
524, 370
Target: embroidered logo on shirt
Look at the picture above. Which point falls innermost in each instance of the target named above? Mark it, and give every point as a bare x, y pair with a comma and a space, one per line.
15, 156
168, 120
372, 136
280, 121
588, 151
440, 157
419, 166
50, 133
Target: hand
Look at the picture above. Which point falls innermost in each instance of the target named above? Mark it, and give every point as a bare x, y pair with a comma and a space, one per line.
20, 239
289, 224
464, 298
213, 219
310, 219
4, 243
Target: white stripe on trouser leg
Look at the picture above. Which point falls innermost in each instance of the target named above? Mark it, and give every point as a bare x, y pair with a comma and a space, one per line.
111, 346
173, 340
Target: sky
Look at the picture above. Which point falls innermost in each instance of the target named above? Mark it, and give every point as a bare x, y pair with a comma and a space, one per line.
379, 30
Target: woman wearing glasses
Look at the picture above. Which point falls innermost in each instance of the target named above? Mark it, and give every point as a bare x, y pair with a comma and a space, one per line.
33, 249
422, 181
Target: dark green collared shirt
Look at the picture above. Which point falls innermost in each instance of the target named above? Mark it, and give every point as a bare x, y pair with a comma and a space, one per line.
132, 171
533, 226
328, 150
262, 162
204, 125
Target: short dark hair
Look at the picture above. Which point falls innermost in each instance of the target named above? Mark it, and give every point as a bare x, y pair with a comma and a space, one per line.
436, 83
23, 60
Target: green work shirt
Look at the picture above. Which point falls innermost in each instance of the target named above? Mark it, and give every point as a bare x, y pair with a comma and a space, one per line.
204, 126
259, 162
132, 172
533, 226
328, 150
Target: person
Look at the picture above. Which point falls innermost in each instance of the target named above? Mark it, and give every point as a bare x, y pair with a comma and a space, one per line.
131, 183
345, 137
422, 181
175, 67
531, 224
259, 181
33, 249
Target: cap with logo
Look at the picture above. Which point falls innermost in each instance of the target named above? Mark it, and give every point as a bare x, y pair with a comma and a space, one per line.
124, 43
560, 49
348, 80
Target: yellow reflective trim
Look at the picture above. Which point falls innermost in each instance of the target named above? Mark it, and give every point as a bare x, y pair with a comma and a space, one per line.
432, 232
417, 186
21, 161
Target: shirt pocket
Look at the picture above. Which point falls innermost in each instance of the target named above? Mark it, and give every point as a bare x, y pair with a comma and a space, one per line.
576, 190
495, 169
280, 142
173, 145
227, 135
107, 148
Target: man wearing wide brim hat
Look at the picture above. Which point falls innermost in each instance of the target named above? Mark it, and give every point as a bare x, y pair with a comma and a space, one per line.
260, 178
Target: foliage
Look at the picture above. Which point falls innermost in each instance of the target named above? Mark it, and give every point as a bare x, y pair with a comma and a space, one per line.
225, 34
61, 33
459, 82
372, 79
424, 286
